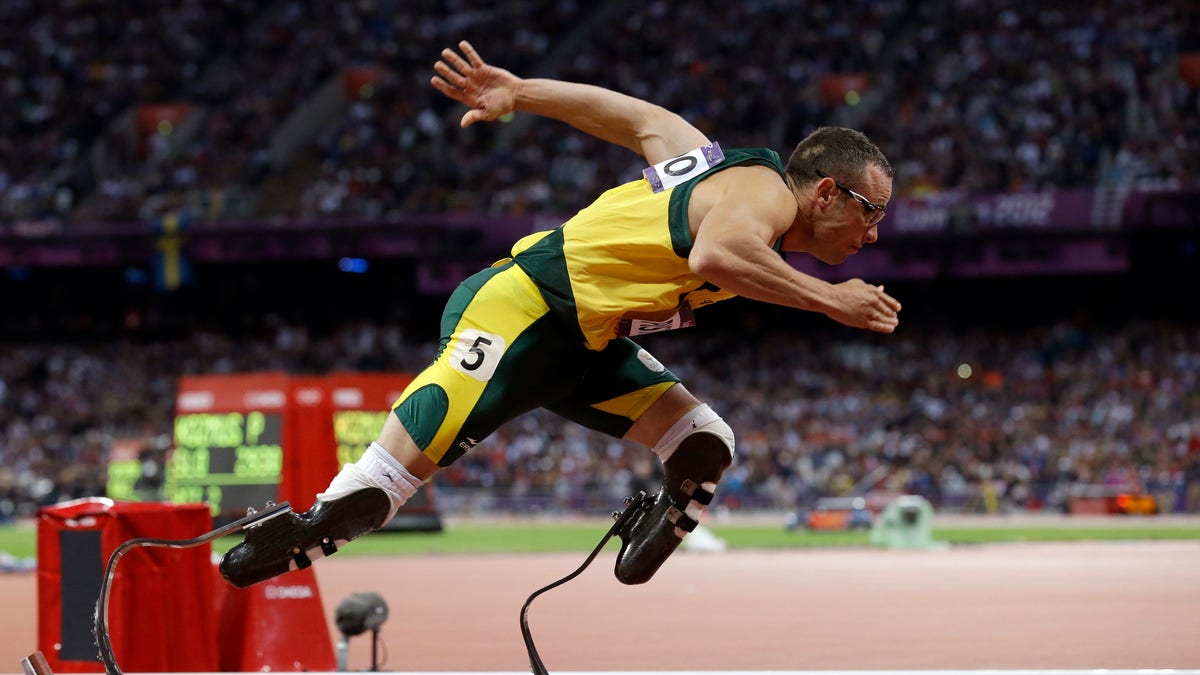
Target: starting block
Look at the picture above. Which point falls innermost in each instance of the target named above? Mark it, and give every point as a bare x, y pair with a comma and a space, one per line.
103, 638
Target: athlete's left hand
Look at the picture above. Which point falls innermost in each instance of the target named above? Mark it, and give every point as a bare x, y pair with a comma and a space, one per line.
488, 91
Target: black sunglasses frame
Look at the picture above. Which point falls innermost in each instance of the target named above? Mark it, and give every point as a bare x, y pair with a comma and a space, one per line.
869, 206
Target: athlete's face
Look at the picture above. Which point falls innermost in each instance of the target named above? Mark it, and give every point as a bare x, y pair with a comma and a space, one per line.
850, 215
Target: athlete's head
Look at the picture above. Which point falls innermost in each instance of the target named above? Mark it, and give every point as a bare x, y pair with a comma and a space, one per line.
841, 153
844, 183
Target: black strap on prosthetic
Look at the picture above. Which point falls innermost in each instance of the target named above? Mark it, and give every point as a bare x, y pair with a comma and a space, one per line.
328, 547
300, 556
696, 493
681, 520
632, 505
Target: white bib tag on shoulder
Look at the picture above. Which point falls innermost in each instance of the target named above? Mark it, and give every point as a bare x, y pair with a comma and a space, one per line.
671, 172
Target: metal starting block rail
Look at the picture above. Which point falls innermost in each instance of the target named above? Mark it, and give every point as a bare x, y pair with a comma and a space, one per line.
103, 639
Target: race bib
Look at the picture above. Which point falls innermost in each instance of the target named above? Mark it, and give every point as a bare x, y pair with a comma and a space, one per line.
671, 172
476, 354
684, 318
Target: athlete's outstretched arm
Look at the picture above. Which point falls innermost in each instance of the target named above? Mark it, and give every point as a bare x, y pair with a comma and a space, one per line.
732, 249
490, 92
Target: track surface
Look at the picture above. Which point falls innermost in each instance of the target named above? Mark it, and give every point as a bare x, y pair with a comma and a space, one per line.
1011, 606
1000, 606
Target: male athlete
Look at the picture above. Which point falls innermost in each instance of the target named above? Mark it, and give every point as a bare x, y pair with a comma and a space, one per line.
549, 327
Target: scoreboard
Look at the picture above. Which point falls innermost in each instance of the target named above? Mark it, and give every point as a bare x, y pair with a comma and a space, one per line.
242, 440
230, 460
228, 441
353, 431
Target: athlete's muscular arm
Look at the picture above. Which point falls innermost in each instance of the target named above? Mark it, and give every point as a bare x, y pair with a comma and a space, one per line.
732, 249
490, 92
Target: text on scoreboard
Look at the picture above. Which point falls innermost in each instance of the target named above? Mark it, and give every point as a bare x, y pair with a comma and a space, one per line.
232, 460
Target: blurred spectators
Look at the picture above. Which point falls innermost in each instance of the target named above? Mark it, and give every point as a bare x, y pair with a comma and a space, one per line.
963, 95
968, 95
976, 421
72, 70
80, 72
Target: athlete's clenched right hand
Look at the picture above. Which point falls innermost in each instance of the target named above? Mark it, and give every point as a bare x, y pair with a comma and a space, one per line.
864, 305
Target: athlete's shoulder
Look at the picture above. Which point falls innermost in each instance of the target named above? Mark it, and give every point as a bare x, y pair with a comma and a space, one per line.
764, 156
760, 167
748, 190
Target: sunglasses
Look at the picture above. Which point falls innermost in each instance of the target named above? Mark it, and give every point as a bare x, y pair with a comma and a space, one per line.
875, 212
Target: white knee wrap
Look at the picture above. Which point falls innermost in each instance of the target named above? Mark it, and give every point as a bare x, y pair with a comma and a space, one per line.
700, 418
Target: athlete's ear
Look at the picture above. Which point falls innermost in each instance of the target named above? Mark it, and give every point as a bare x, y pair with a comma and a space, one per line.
826, 191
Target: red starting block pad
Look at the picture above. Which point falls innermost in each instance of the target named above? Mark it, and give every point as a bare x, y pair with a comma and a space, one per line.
278, 625
161, 616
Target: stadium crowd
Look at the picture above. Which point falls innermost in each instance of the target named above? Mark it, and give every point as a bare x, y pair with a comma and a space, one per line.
964, 95
967, 95
1043, 102
977, 420
78, 71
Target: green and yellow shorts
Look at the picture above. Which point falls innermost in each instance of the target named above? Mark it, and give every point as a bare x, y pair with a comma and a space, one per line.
503, 353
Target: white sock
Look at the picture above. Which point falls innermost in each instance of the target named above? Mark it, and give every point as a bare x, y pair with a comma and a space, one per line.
376, 468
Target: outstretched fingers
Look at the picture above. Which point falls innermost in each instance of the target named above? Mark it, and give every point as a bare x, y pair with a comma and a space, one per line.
890, 302
450, 75
457, 61
473, 56
454, 68
887, 310
487, 91
451, 78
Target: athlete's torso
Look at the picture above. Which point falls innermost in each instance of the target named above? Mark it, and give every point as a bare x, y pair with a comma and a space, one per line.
624, 257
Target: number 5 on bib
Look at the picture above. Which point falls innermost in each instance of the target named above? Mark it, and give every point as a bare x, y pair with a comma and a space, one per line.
476, 354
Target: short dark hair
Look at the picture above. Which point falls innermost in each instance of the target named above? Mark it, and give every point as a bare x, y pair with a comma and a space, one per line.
842, 153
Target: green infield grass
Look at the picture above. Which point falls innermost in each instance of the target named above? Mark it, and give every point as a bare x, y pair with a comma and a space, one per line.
496, 538
548, 536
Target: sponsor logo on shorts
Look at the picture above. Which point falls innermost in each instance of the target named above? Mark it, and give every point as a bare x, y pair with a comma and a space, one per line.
650, 362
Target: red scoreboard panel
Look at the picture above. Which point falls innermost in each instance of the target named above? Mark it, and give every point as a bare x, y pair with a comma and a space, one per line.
242, 440
358, 404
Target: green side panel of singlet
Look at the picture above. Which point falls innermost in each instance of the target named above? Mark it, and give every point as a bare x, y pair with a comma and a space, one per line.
545, 263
